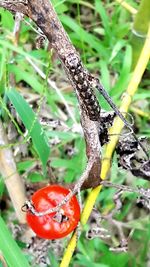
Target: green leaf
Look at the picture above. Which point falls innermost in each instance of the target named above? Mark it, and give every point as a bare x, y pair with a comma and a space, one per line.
10, 249
18, 50
53, 259
116, 49
7, 20
35, 177
25, 165
65, 163
26, 76
88, 38
67, 136
2, 62
31, 123
104, 17
105, 77
124, 77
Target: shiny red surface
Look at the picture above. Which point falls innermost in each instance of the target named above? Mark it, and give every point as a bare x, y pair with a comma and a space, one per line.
45, 226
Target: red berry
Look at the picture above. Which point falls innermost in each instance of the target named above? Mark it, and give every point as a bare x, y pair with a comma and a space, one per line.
48, 226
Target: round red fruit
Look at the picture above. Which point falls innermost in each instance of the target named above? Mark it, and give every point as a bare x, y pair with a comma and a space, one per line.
50, 226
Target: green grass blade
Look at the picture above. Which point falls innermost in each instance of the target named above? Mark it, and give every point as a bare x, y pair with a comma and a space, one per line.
10, 249
26, 76
123, 80
88, 38
104, 17
18, 50
30, 121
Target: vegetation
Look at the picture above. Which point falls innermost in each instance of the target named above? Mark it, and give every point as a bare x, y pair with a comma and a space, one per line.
40, 132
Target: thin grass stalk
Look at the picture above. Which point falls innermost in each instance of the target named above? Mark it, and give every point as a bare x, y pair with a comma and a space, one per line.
128, 7
106, 163
139, 30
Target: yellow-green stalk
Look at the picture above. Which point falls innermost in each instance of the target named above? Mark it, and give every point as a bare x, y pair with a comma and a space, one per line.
139, 30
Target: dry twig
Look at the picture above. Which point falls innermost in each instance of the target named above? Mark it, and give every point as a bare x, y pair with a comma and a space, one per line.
43, 14
11, 177
77, 74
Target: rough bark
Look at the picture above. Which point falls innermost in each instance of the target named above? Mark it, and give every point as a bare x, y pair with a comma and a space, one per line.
45, 17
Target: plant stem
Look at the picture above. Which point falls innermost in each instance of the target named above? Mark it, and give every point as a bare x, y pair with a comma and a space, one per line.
139, 30
128, 7
11, 177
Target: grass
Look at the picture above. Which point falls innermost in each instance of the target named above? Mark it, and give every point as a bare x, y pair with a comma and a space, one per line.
101, 31
9, 248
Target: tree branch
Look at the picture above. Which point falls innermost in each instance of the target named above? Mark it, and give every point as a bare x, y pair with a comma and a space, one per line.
15, 6
78, 76
43, 14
